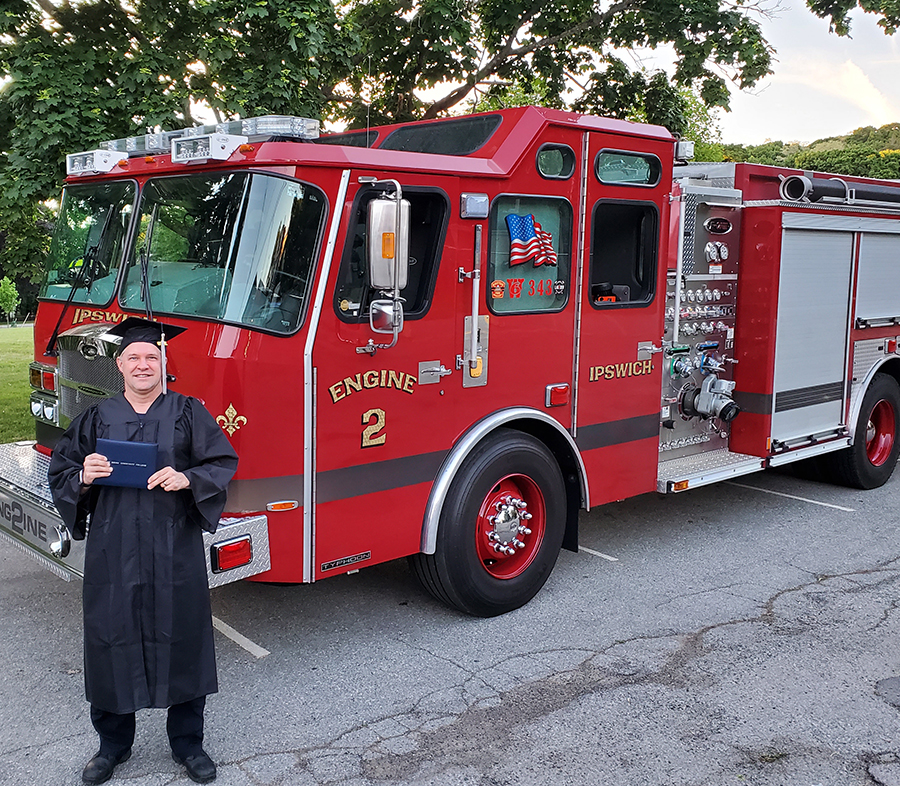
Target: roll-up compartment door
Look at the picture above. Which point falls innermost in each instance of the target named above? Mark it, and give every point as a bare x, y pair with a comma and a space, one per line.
811, 332
878, 281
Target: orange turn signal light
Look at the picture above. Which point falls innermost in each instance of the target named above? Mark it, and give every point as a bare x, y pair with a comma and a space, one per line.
387, 245
284, 504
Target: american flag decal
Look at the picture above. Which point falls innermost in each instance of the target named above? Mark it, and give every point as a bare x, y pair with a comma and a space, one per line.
528, 241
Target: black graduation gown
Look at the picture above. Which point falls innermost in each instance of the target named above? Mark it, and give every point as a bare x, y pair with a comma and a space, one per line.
148, 636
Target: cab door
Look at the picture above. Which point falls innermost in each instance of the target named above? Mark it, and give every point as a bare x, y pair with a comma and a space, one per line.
622, 307
380, 427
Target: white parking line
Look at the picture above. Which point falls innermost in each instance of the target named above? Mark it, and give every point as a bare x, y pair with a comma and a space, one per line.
598, 554
242, 641
790, 496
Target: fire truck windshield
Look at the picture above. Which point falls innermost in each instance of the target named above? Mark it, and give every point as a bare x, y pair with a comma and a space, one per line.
234, 247
87, 242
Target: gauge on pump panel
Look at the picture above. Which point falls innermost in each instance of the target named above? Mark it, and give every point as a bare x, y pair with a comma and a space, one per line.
712, 252
722, 250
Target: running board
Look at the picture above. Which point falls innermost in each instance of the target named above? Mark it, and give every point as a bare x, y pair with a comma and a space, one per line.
701, 469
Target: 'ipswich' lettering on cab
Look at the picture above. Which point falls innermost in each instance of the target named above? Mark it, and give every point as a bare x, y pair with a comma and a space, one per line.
94, 315
372, 379
637, 368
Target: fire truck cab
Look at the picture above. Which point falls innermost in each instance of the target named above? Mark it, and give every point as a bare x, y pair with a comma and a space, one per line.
440, 340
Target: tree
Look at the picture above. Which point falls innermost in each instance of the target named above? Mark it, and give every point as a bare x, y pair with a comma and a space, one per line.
9, 298
852, 160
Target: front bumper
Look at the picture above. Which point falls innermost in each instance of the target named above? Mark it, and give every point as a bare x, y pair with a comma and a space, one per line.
29, 520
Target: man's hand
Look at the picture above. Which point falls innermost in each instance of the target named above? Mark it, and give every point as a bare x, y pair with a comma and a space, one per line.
168, 480
95, 466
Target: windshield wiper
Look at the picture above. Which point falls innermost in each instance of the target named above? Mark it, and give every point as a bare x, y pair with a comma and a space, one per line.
145, 263
86, 272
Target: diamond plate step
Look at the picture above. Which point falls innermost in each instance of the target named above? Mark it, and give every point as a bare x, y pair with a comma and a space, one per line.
704, 468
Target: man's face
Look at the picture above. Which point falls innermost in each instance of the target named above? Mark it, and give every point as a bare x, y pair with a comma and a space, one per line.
140, 365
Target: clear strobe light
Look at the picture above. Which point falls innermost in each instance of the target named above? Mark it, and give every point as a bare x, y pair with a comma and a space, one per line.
91, 161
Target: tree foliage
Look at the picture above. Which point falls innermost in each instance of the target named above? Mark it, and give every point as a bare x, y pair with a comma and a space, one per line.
76, 72
854, 160
9, 298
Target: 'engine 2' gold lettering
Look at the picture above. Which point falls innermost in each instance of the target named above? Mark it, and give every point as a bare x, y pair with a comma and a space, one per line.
637, 368
367, 380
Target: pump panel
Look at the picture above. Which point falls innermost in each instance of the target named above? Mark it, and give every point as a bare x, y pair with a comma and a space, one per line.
699, 337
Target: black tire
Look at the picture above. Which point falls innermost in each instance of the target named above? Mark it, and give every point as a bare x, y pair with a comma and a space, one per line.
465, 571
869, 462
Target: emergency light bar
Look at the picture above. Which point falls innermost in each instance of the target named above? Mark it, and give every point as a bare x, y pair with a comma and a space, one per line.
91, 161
250, 129
219, 147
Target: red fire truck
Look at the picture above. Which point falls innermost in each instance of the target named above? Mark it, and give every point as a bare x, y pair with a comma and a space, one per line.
442, 339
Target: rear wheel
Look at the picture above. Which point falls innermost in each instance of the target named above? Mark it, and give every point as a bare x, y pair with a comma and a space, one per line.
501, 527
870, 461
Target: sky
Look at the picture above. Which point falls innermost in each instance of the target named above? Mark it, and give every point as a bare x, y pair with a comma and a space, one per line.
823, 85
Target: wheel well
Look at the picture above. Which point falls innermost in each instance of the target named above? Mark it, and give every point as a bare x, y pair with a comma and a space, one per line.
569, 467
892, 368
535, 423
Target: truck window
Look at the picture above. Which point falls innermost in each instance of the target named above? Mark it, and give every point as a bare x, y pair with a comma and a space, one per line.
428, 211
232, 246
624, 238
624, 168
529, 257
555, 162
455, 137
88, 240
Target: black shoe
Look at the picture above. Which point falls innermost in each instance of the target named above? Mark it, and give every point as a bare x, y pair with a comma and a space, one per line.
100, 768
200, 768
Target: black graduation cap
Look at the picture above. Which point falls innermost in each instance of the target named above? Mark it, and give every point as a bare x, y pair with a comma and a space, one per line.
137, 329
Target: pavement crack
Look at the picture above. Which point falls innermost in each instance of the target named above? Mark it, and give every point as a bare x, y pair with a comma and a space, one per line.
438, 656
708, 591
885, 615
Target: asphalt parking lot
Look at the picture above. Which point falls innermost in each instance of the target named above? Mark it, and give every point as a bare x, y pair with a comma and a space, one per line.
745, 633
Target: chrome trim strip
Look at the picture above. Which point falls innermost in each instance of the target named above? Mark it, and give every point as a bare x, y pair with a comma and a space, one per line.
837, 443
579, 265
309, 390
464, 446
836, 223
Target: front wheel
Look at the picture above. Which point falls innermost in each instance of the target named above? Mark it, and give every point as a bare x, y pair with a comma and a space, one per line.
501, 527
870, 460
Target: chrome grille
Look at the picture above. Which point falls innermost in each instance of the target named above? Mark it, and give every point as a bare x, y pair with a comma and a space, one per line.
86, 378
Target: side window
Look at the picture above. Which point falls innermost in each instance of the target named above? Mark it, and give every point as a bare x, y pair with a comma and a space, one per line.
624, 239
624, 168
529, 258
428, 212
556, 162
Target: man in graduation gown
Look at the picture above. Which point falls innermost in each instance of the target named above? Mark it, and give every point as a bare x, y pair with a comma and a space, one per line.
148, 636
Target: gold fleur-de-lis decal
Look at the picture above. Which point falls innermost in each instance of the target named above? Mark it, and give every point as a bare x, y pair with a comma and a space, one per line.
231, 421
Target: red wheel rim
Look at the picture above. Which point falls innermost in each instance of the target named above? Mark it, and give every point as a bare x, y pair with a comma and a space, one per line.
880, 433
512, 518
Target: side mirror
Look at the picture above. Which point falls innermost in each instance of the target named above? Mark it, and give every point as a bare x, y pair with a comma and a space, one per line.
387, 230
383, 314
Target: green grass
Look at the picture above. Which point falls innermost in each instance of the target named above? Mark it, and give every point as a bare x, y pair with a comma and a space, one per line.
16, 352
